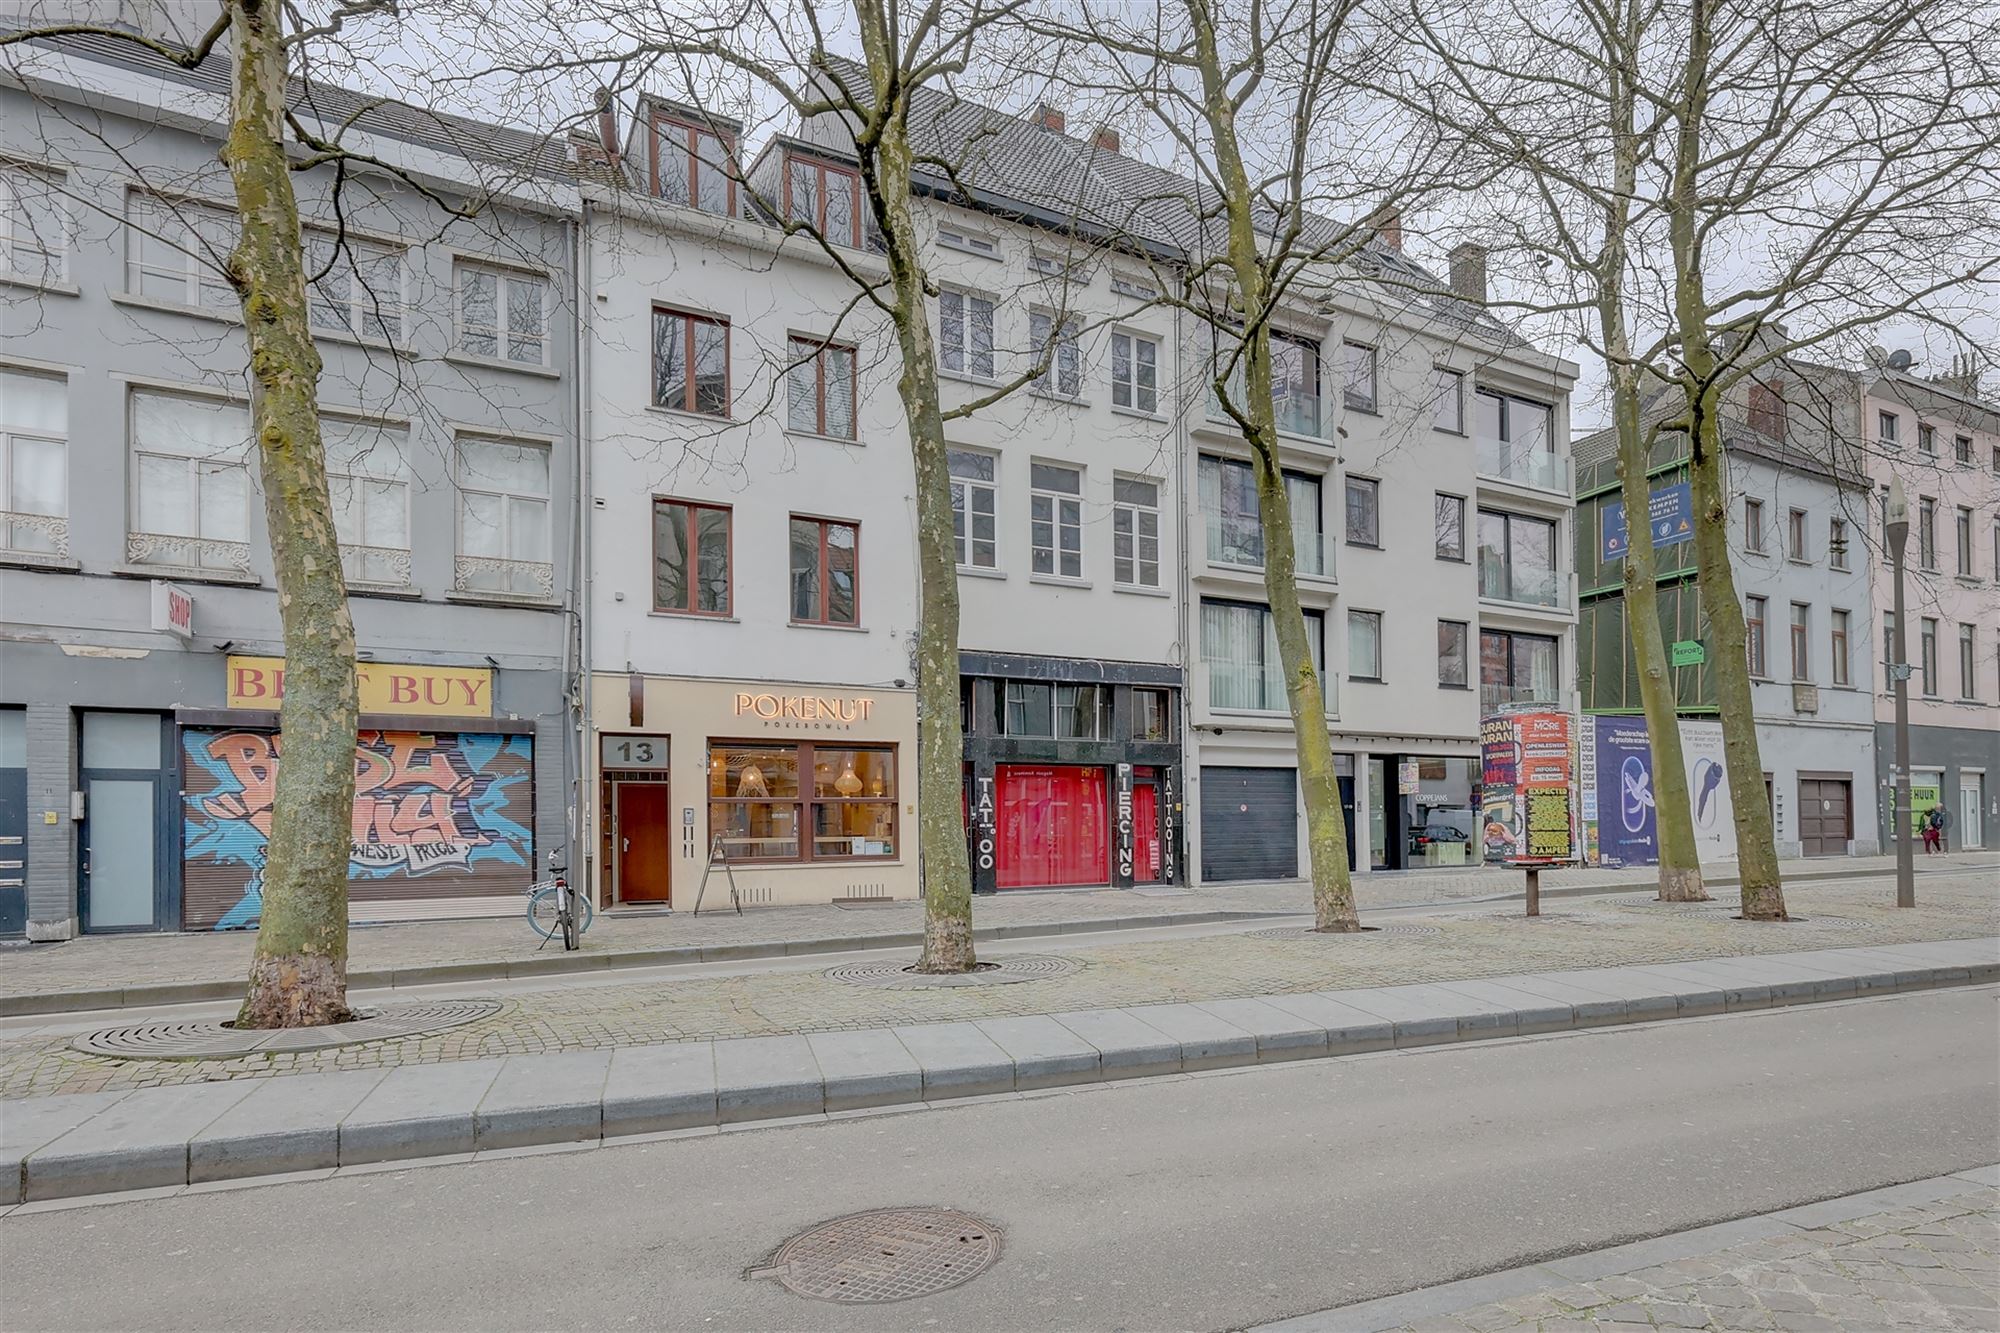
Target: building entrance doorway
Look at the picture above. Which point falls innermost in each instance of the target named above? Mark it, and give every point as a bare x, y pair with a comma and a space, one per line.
643, 830
1971, 799
1825, 816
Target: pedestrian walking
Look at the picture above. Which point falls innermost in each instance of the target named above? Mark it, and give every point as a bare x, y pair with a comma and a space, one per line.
1934, 828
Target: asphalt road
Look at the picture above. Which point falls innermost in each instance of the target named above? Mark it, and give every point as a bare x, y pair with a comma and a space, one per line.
1209, 1202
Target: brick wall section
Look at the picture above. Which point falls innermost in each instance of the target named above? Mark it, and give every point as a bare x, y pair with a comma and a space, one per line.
51, 847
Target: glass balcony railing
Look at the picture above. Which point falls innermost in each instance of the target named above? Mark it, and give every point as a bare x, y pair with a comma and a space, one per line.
1296, 413
1528, 467
1493, 696
1241, 687
1534, 587
1240, 541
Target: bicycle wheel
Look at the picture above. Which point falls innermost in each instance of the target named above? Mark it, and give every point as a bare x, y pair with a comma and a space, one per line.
544, 912
569, 928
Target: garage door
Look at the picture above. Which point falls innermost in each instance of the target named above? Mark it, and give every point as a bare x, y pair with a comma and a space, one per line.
1249, 823
1825, 817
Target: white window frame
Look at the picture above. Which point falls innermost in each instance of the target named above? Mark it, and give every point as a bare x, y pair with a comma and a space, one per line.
1349, 397
964, 488
361, 555
501, 332
1354, 618
148, 217
968, 241
1449, 391
1888, 429
1836, 543
467, 567
1129, 535
46, 230
1137, 288
1127, 343
54, 527
363, 307
967, 302
1061, 511
1968, 662
212, 551
1063, 377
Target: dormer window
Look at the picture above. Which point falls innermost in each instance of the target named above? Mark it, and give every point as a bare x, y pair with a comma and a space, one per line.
691, 167
826, 197
1767, 409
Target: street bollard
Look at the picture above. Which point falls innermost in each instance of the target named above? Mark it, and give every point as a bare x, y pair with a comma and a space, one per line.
1534, 890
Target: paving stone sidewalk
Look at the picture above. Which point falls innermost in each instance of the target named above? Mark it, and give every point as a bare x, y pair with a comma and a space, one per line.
111, 964
1928, 1265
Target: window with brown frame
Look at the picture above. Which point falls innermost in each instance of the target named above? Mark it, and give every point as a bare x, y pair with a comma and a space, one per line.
819, 397
1753, 633
1767, 409
691, 362
802, 802
826, 572
825, 197
691, 167
691, 558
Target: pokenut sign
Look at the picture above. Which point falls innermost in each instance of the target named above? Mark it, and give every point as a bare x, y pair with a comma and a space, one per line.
803, 708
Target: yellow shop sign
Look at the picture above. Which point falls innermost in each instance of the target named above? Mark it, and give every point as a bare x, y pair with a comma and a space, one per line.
386, 687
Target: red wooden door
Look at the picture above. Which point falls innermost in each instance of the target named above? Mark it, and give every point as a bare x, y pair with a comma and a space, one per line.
645, 842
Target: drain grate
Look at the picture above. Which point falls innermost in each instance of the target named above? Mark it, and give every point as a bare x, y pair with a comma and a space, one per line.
215, 1041
888, 1254
1365, 933
1000, 972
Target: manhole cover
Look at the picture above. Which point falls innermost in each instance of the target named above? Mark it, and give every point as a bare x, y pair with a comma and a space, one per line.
998, 972
1365, 933
215, 1041
890, 1254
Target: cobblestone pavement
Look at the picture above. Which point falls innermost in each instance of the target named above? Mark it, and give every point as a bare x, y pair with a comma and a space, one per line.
1455, 943
1928, 1266
108, 962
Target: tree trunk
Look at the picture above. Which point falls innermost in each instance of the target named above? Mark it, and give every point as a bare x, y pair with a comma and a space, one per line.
298, 976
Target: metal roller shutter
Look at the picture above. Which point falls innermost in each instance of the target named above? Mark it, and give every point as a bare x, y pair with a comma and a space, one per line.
1249, 823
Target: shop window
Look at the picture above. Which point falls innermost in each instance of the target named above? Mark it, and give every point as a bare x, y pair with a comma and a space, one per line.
691, 167
802, 802
1029, 709
1152, 716
1135, 532
826, 198
819, 397
825, 572
691, 558
691, 363
1053, 826
1083, 712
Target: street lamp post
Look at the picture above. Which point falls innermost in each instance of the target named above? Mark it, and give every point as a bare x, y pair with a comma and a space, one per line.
1897, 531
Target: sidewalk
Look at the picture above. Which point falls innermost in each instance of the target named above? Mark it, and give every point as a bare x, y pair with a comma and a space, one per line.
102, 972
1924, 1255
173, 1137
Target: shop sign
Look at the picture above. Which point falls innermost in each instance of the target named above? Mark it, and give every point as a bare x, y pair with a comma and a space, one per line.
1170, 815
1124, 806
173, 610
641, 752
386, 687
804, 712
983, 823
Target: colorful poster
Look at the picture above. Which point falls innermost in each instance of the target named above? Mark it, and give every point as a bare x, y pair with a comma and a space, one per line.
1528, 798
435, 815
1627, 822
1670, 517
1708, 791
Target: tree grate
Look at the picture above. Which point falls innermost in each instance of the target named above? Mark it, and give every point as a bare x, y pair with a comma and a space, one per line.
1005, 971
219, 1041
1365, 933
885, 1255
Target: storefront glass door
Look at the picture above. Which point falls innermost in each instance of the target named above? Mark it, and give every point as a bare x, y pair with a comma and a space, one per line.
1054, 826
127, 863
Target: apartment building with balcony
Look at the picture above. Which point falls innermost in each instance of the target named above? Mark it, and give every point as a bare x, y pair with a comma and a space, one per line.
1941, 436
140, 660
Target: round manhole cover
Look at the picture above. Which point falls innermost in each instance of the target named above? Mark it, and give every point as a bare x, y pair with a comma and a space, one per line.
998, 972
1365, 933
889, 1254
218, 1041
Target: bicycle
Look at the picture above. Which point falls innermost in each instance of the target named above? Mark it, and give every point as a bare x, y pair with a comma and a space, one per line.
554, 907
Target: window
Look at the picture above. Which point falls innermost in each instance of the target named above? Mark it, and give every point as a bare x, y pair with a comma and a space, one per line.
691, 167
1888, 649
965, 334
1515, 440
975, 500
1233, 516
1517, 559
1767, 409
1927, 532
1448, 401
1358, 391
819, 388
1930, 657
1795, 536
1996, 550
1450, 527
503, 517
1516, 668
1961, 450
1063, 376
1753, 526
1135, 373
1364, 500
825, 197
1055, 521
1839, 643
1836, 542
1888, 429
503, 315
1964, 533
1083, 712
1294, 366
1967, 687
1801, 641
1996, 460
1239, 647
368, 478
356, 284
34, 225
692, 557
1926, 438
1152, 719
34, 463
1135, 532
174, 252
826, 572
1030, 709
1364, 645
802, 802
691, 362
1453, 640
191, 489
1137, 288
1753, 634
953, 238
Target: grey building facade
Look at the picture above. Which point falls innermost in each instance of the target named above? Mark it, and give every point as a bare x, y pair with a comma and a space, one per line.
141, 654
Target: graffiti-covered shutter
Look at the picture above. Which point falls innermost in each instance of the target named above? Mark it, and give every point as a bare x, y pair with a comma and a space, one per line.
442, 824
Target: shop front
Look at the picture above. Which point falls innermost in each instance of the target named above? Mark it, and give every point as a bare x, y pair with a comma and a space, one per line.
794, 793
1072, 772
1423, 811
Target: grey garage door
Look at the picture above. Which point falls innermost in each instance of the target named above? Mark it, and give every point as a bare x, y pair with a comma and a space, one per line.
1249, 823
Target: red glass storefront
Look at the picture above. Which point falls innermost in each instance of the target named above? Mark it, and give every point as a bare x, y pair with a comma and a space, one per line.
1053, 826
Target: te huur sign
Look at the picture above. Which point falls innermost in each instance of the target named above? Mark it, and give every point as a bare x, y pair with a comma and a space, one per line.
386, 687
803, 712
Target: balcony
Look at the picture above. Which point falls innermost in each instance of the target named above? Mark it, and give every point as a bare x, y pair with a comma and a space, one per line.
37, 536
377, 566
195, 554
1234, 687
1533, 468
1295, 413
504, 578
1493, 697
1239, 542
1525, 587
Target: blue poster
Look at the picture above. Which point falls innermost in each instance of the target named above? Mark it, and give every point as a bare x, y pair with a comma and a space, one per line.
1671, 517
1628, 832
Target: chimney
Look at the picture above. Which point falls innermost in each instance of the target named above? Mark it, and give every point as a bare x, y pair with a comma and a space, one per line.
1468, 271
1388, 225
1047, 117
607, 124
1105, 138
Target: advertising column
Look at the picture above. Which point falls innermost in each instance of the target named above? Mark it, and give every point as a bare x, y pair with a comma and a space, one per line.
1528, 789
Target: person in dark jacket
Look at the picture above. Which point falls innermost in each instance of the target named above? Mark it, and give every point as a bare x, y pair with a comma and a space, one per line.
1934, 827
